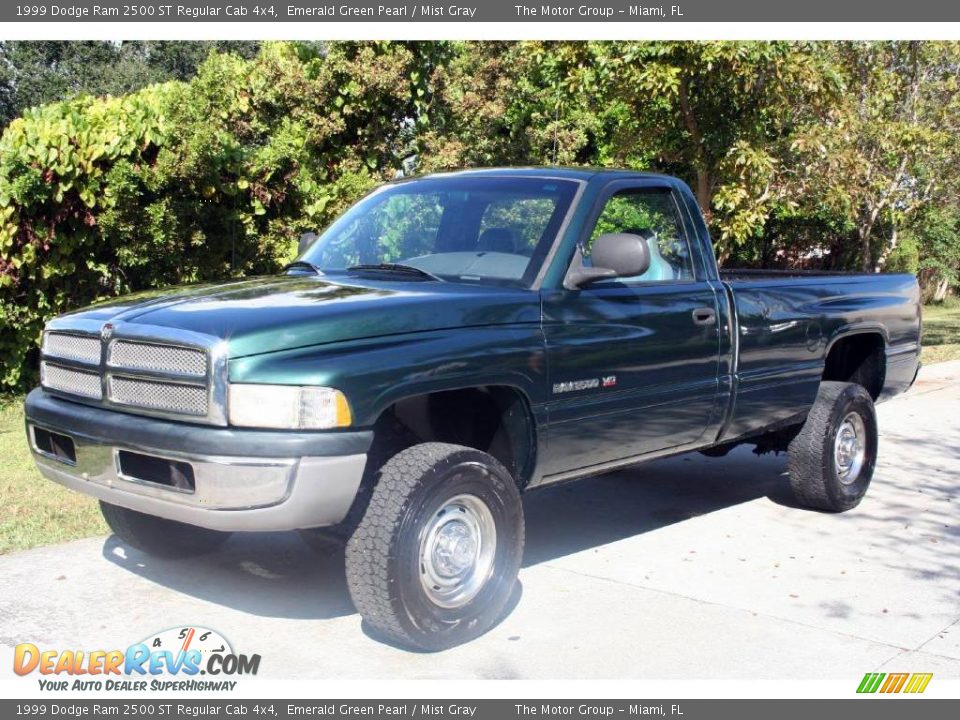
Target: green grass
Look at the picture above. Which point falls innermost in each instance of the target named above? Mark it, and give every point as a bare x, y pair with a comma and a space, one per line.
33, 510
941, 333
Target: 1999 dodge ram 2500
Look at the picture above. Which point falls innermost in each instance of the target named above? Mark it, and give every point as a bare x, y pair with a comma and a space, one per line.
448, 343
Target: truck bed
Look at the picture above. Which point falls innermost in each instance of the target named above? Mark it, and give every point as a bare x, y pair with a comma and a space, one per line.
784, 323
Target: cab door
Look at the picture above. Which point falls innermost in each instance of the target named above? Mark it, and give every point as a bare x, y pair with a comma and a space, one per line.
633, 361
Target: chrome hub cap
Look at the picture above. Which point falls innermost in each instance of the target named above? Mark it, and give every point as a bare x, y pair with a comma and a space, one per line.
849, 448
457, 548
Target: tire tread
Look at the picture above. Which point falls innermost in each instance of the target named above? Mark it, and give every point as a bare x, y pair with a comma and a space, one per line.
808, 451
368, 551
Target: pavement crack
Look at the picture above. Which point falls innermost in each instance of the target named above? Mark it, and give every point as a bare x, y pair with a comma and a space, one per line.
933, 637
899, 653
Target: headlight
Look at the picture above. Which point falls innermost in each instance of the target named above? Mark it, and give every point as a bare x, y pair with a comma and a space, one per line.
288, 407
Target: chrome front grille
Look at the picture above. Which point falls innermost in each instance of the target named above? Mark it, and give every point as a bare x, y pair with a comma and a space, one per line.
137, 369
170, 397
85, 348
68, 380
158, 358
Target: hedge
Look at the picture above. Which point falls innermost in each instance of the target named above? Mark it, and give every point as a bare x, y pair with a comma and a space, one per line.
187, 182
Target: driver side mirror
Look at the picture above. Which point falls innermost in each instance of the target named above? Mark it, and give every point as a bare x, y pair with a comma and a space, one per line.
613, 255
306, 240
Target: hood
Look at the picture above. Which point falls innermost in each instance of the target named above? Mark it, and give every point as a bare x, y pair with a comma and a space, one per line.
280, 313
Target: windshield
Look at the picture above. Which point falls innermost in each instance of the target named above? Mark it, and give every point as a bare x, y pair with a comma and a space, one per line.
494, 230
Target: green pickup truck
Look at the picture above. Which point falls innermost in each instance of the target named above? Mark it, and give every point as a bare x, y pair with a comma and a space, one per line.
447, 344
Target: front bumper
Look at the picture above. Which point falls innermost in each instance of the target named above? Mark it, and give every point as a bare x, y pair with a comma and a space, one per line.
241, 480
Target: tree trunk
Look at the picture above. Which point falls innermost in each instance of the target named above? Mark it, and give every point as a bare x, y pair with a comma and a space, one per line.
865, 256
888, 249
940, 294
865, 231
704, 189
704, 194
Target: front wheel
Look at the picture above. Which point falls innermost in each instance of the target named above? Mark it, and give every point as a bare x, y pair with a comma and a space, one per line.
833, 456
435, 559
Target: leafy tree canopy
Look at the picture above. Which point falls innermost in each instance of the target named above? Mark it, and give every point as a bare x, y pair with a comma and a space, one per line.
128, 166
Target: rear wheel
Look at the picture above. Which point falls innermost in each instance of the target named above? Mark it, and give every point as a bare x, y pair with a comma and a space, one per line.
833, 457
435, 559
158, 536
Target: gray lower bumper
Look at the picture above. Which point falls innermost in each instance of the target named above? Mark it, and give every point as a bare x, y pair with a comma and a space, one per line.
231, 492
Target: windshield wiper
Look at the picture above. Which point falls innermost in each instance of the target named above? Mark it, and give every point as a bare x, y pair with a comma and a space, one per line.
302, 265
395, 268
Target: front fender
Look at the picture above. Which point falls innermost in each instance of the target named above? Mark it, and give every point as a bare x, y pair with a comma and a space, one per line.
375, 373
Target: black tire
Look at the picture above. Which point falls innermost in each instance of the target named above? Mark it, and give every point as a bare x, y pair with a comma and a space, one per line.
388, 578
818, 481
160, 537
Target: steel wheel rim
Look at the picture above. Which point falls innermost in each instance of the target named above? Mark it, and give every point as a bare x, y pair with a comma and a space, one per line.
457, 548
850, 448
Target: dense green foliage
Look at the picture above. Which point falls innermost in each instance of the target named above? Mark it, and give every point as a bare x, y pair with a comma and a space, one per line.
836, 155
39, 72
187, 182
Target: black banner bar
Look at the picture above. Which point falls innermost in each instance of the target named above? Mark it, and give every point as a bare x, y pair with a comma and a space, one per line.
267, 11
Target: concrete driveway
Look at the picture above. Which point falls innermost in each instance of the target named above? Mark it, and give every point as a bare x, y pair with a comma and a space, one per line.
685, 568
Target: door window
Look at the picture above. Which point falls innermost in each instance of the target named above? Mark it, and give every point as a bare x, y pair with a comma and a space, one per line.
651, 214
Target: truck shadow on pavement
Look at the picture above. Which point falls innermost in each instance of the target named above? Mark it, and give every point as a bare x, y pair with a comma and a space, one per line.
577, 516
277, 575
266, 574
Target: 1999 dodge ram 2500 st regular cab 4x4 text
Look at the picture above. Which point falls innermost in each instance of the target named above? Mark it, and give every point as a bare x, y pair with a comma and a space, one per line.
448, 343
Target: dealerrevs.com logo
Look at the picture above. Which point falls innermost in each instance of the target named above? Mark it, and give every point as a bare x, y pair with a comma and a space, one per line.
178, 659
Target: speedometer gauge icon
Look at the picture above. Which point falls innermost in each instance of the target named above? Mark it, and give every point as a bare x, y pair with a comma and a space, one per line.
180, 640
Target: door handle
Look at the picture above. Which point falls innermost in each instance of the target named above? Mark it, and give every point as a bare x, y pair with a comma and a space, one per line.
704, 316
